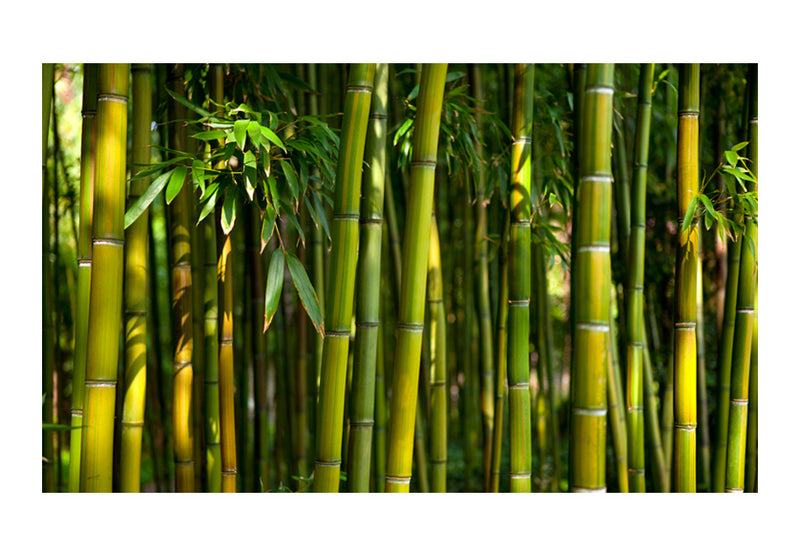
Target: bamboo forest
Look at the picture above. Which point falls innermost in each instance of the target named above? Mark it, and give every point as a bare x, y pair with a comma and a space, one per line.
400, 277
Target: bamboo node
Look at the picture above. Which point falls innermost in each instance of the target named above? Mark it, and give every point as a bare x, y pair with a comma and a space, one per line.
362, 424
424, 163
738, 401
371, 220
110, 97
411, 327
594, 248
100, 383
734, 490
686, 325
338, 333
597, 177
398, 480
687, 427
590, 411
588, 489
746, 311
598, 326
519, 302
520, 386
346, 216
133, 424
523, 475
753, 120
358, 89
108, 241
328, 463
599, 89
368, 324
523, 139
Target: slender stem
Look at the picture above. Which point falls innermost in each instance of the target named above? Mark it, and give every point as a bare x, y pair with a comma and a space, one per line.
502, 359
339, 297
684, 460
438, 378
226, 379
416, 239
136, 293
105, 306
519, 280
362, 405
592, 282
88, 168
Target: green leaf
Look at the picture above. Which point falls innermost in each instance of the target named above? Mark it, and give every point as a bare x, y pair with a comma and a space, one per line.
707, 203
228, 218
199, 175
274, 286
144, 201
308, 297
291, 178
274, 139
267, 225
731, 157
689, 216
402, 130
254, 131
708, 220
182, 100
208, 207
293, 219
176, 183
156, 168
323, 220
240, 132
210, 135
739, 146
250, 173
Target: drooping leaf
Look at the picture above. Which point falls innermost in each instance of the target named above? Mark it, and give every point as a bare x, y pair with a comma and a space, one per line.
250, 173
739, 146
208, 207
272, 137
267, 225
188, 104
199, 175
291, 178
308, 297
156, 168
274, 286
731, 157
689, 216
254, 131
144, 201
176, 183
228, 217
240, 132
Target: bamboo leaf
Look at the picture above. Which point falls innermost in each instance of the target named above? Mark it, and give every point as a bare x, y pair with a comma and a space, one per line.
308, 297
199, 175
739, 146
402, 130
274, 286
228, 217
272, 137
291, 178
731, 157
176, 183
689, 216
208, 207
707, 203
144, 201
210, 135
254, 131
156, 168
188, 104
240, 132
267, 225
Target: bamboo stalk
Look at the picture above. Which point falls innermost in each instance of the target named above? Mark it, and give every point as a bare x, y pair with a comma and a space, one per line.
438, 372
667, 409
88, 169
339, 298
48, 478
502, 359
592, 283
105, 306
751, 454
704, 481
745, 315
616, 414
635, 295
416, 238
684, 460
652, 431
484, 306
519, 280
362, 404
136, 292
180, 211
259, 354
226, 377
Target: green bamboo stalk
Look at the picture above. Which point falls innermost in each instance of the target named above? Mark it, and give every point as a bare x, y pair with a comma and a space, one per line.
615, 397
211, 390
317, 241
180, 211
226, 377
88, 168
241, 356
339, 298
751, 455
592, 283
379, 433
438, 373
105, 306
724, 367
684, 460
502, 359
667, 409
416, 238
362, 403
48, 477
704, 480
652, 431
484, 307
635, 294
745, 315
136, 292
519, 280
